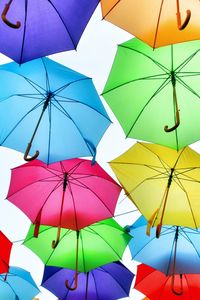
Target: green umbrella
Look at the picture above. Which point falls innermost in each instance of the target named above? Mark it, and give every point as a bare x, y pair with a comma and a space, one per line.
83, 250
155, 93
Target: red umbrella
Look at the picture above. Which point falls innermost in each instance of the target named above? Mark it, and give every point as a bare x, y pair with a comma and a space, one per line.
5, 249
156, 285
70, 194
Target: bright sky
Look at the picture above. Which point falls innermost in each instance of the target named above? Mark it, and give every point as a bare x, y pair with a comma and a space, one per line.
93, 58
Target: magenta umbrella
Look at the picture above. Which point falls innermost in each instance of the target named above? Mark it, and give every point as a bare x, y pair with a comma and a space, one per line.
68, 194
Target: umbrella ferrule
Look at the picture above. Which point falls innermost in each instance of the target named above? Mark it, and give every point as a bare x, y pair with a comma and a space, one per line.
65, 181
173, 78
170, 177
46, 102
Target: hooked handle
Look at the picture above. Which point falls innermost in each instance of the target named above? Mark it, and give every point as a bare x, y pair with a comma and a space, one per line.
75, 283
176, 292
4, 18
27, 152
55, 242
187, 19
177, 123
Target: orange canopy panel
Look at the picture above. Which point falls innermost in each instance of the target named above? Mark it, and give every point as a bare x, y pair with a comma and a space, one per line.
156, 22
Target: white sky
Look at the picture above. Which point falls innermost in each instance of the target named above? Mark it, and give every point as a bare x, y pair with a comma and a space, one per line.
93, 58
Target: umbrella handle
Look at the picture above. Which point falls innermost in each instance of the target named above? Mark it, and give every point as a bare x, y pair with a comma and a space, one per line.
75, 283
177, 121
187, 19
6, 21
27, 152
55, 242
167, 129
176, 292
150, 222
158, 230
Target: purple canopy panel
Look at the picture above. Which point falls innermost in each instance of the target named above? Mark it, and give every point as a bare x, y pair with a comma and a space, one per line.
108, 282
47, 27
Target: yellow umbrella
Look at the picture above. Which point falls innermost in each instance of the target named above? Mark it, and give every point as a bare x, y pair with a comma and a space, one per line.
156, 22
164, 184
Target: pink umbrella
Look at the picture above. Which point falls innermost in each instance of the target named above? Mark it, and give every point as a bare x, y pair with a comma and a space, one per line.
71, 194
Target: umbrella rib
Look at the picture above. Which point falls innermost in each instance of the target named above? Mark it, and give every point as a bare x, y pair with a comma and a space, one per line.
49, 139
112, 8
95, 284
152, 77
74, 101
47, 76
63, 111
83, 176
185, 62
187, 86
61, 88
161, 87
18, 123
116, 280
74, 45
191, 242
93, 192
184, 190
158, 64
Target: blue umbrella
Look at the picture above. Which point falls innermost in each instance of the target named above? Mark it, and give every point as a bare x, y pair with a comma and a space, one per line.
51, 108
17, 285
177, 251
108, 282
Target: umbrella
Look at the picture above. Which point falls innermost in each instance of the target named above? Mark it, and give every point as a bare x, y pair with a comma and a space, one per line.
156, 22
177, 251
32, 29
164, 184
155, 94
108, 282
5, 249
84, 250
18, 285
49, 106
157, 285
71, 194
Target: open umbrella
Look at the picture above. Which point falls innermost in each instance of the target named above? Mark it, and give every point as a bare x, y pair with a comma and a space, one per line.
83, 250
52, 108
71, 194
177, 251
157, 22
164, 184
155, 94
18, 285
108, 282
5, 250
157, 285
32, 29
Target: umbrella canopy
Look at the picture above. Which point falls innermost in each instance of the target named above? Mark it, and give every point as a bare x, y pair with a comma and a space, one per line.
177, 251
25, 25
5, 250
17, 285
157, 285
83, 250
155, 94
108, 282
71, 194
164, 184
52, 108
157, 22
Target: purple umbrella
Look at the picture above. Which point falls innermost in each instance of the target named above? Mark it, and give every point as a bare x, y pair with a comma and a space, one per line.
39, 28
108, 282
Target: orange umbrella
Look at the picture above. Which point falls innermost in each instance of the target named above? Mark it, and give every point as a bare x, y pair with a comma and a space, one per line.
156, 22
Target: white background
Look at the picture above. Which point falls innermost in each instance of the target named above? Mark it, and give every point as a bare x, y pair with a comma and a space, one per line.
94, 57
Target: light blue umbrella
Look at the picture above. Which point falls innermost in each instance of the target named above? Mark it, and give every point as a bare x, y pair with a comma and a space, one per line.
176, 251
17, 285
50, 108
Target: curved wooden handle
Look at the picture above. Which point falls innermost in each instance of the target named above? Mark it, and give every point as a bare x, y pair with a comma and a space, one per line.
75, 283
176, 292
6, 21
167, 129
187, 19
26, 158
55, 242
